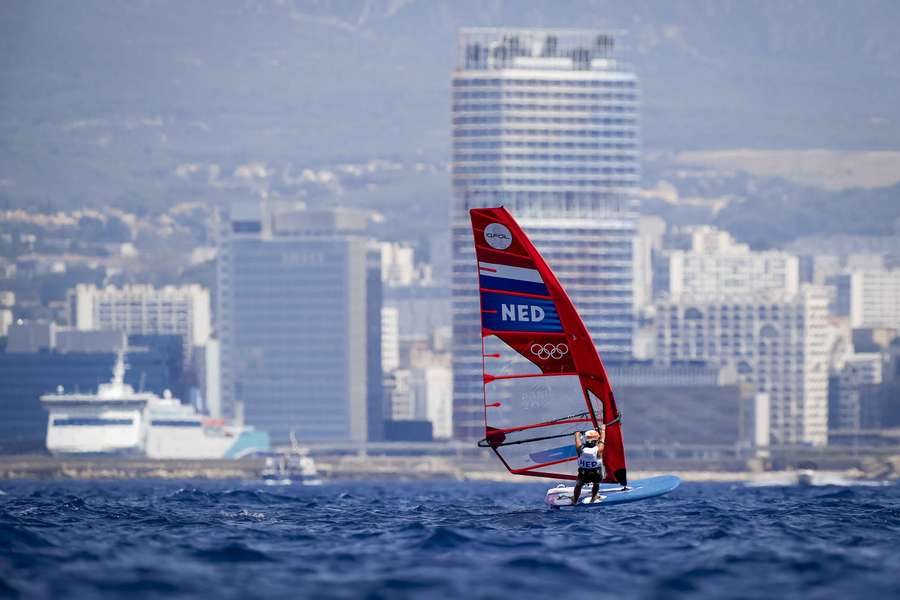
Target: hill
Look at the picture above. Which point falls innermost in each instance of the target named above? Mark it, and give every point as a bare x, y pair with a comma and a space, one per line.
101, 101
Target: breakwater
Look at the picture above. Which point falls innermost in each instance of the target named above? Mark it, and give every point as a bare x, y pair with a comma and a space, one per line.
465, 468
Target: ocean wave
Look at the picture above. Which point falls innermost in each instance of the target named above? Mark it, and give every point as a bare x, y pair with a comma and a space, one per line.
17, 538
432, 539
232, 553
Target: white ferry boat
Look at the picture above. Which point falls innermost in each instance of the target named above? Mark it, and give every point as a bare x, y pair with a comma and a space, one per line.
119, 421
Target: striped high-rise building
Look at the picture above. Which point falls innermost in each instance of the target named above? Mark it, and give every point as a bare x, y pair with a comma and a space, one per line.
545, 123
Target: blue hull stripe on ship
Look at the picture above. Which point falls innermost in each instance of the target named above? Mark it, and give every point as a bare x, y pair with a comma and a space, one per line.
504, 312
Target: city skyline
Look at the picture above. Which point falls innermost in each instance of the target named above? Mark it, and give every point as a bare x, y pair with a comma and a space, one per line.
436, 298
546, 122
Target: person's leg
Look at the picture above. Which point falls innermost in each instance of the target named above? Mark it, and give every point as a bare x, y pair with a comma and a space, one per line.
577, 493
594, 491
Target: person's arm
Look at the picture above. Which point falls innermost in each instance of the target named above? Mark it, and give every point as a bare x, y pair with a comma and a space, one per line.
601, 444
578, 443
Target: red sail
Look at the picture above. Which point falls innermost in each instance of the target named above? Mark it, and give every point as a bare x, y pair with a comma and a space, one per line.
543, 378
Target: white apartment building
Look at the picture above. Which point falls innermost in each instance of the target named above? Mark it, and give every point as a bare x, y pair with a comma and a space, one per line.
424, 393
779, 344
875, 298
716, 267
6, 319
432, 389
545, 123
390, 339
143, 309
7, 299
398, 266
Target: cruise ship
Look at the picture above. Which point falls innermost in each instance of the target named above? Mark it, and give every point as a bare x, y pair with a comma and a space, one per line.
116, 420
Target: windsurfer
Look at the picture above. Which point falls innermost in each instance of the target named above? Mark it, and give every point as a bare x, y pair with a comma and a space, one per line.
590, 461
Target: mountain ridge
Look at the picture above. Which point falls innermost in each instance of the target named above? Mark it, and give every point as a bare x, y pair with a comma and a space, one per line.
105, 99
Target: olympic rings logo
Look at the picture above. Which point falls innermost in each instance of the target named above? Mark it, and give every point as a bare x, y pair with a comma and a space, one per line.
545, 351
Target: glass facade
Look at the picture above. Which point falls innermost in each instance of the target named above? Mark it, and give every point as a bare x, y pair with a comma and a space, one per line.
545, 123
292, 321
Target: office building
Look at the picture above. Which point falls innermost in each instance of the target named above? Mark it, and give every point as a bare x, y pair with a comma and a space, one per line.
207, 361
398, 266
648, 246
30, 336
778, 344
374, 368
143, 309
718, 267
433, 399
402, 405
839, 303
423, 394
183, 381
545, 123
424, 308
73, 340
6, 320
293, 314
875, 298
859, 370
390, 338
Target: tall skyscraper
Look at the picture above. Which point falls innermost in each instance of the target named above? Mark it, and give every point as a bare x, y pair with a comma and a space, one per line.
545, 123
294, 310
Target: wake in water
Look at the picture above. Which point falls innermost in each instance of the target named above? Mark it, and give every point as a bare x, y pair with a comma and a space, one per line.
443, 540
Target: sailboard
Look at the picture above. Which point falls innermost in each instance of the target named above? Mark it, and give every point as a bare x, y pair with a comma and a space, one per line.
543, 377
561, 496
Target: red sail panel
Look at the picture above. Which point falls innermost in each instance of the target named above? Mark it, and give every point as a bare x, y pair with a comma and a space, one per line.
543, 377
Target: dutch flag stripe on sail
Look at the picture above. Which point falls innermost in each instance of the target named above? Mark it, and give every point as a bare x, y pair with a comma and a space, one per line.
511, 279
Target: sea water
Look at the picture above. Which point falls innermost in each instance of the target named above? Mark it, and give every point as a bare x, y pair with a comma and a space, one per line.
443, 540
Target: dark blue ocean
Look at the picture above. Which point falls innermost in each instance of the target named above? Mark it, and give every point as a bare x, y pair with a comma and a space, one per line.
443, 540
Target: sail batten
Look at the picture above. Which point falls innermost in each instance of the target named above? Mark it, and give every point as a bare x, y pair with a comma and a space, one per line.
526, 375
543, 378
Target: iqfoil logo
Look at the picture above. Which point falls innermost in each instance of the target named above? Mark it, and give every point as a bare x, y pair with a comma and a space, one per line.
498, 236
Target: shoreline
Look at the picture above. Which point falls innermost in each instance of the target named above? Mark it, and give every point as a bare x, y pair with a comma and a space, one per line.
51, 468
